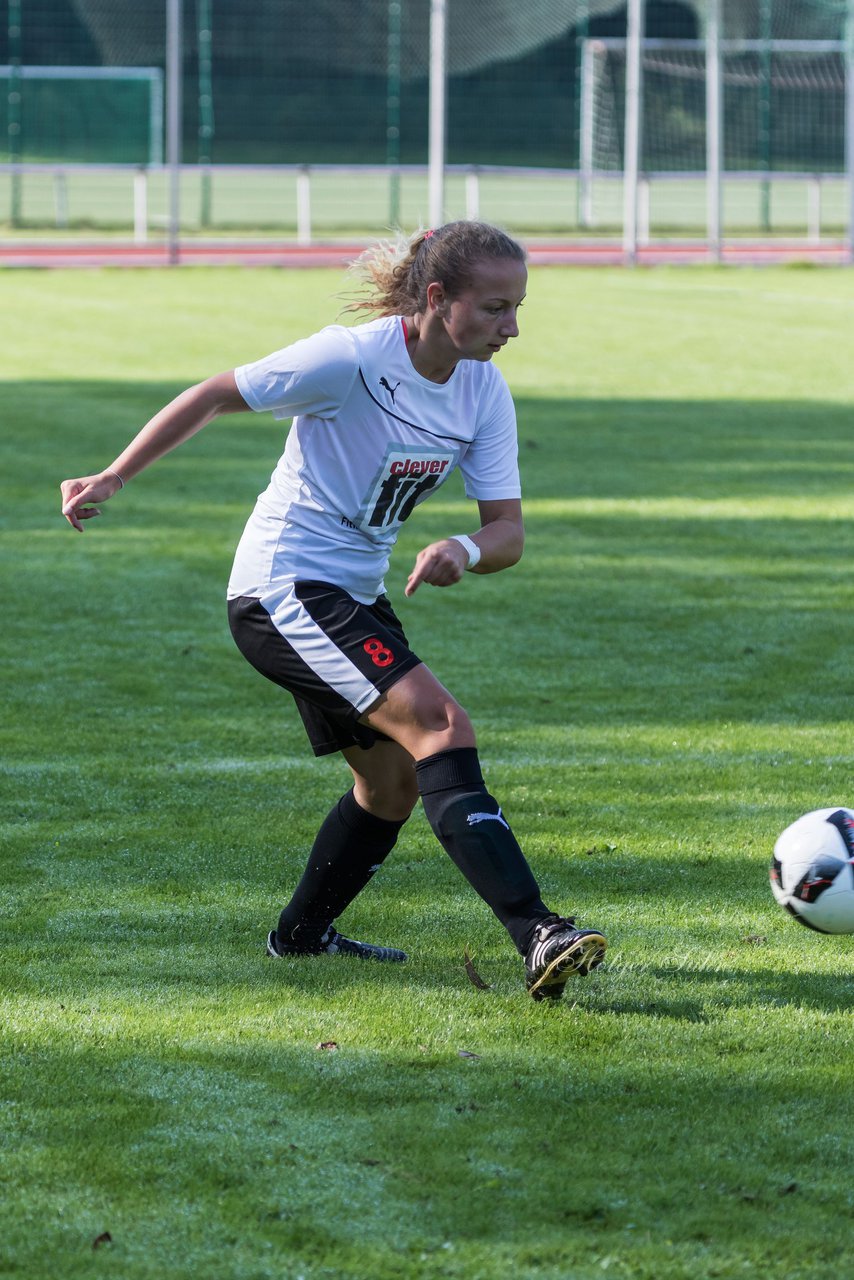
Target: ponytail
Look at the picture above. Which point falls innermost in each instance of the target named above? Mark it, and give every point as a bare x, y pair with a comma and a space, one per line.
395, 273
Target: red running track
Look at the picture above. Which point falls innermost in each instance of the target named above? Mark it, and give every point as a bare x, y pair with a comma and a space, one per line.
272, 254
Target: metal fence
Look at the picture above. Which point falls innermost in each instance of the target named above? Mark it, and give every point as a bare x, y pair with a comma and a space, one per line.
194, 119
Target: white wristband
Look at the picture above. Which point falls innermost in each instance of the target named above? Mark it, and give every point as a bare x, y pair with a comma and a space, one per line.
471, 547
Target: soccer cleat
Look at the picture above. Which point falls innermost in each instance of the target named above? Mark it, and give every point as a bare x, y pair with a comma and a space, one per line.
333, 943
557, 951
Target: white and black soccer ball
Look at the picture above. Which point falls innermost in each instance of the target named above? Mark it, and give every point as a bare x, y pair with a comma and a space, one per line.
812, 870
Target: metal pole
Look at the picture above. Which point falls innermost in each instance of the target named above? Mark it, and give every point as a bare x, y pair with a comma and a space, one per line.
582, 113
60, 198
633, 126
473, 194
585, 129
304, 206
174, 70
849, 124
814, 209
140, 206
438, 91
14, 112
206, 113
765, 113
392, 133
155, 121
714, 128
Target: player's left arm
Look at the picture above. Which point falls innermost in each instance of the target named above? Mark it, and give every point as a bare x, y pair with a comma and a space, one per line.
500, 540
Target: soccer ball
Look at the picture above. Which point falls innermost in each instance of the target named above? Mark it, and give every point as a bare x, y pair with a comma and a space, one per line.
812, 870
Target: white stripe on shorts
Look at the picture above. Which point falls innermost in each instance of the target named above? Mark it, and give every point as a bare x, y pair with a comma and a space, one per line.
292, 620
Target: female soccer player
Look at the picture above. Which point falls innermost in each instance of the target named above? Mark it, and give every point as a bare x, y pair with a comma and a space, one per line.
382, 412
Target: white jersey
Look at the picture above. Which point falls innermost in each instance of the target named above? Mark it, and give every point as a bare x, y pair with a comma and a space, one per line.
371, 438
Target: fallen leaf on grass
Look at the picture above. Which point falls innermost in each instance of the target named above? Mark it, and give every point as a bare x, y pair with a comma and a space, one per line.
103, 1238
476, 979
464, 1053
327, 1044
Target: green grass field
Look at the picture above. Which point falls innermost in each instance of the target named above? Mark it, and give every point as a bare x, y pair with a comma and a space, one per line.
662, 684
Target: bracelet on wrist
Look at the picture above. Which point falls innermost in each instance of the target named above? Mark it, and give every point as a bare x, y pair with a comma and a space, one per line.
470, 546
111, 472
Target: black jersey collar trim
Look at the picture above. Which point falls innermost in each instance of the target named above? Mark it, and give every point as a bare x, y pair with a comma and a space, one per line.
415, 425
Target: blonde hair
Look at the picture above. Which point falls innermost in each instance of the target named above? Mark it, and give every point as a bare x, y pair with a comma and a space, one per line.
395, 273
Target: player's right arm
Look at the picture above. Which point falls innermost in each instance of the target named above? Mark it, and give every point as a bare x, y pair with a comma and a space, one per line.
180, 419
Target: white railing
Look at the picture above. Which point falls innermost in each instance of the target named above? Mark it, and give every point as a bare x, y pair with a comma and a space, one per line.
313, 202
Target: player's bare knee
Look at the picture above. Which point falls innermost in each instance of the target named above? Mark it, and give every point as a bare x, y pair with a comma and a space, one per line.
447, 726
460, 727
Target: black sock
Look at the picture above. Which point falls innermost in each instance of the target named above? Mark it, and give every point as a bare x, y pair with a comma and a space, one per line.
347, 850
473, 831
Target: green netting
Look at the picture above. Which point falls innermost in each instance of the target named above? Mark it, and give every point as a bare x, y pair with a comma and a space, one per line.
336, 81
345, 82
783, 108
116, 119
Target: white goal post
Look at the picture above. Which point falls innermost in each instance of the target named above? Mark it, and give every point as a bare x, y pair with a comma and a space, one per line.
610, 98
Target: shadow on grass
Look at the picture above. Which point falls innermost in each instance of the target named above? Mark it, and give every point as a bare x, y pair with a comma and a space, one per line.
193, 958
317, 1153
630, 614
614, 447
600, 449
691, 449
704, 993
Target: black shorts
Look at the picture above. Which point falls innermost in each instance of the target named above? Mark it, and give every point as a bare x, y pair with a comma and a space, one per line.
333, 654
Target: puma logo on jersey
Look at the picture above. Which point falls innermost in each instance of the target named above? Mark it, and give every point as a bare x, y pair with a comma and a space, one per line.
384, 382
474, 818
